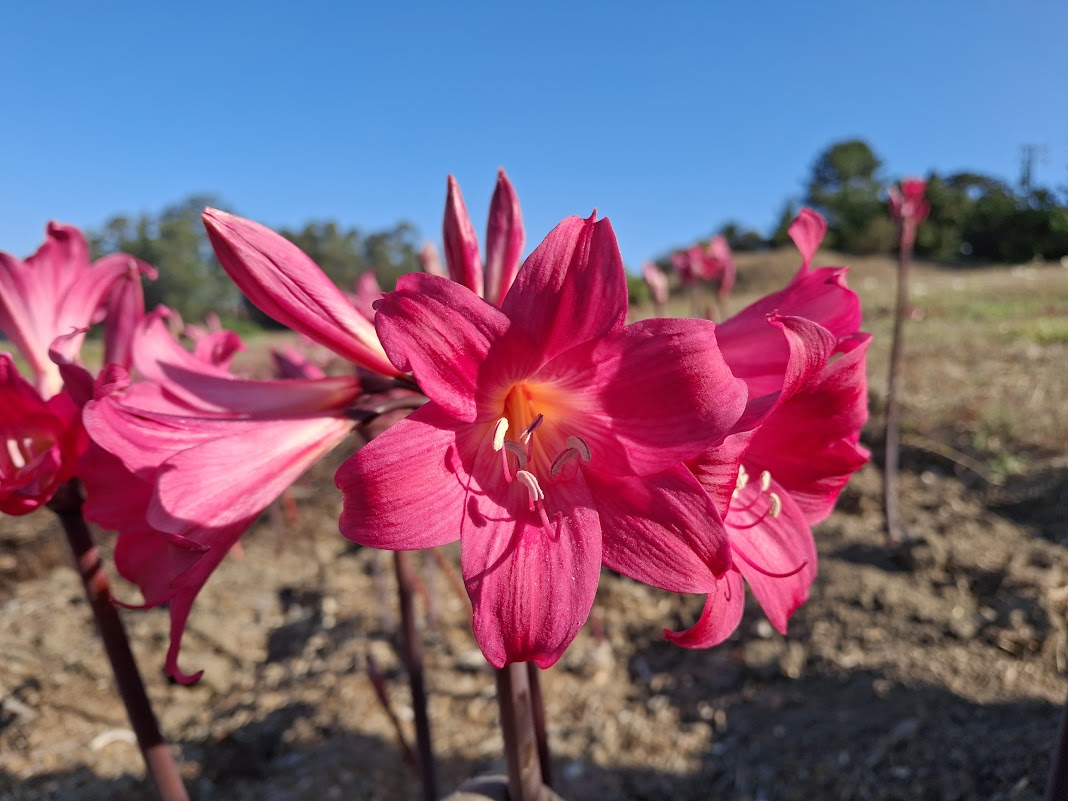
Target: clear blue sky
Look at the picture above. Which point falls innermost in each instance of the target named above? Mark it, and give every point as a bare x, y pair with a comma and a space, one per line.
670, 118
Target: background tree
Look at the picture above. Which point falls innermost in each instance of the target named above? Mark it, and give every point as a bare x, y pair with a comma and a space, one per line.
846, 188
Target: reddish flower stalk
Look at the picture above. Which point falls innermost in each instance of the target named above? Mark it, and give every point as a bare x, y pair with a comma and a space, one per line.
908, 208
67, 504
521, 747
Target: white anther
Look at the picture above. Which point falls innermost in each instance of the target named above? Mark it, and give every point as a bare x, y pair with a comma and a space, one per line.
530, 481
776, 504
499, 432
765, 481
743, 479
580, 445
517, 451
17, 459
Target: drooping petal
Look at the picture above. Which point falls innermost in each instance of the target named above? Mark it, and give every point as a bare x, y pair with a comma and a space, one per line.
461, 243
720, 617
531, 583
781, 545
572, 288
807, 230
662, 530
602, 390
387, 484
232, 478
125, 308
810, 444
758, 351
285, 284
717, 468
443, 333
504, 240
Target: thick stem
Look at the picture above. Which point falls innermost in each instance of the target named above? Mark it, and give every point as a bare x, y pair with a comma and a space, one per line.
413, 660
893, 425
67, 504
520, 740
1057, 783
537, 705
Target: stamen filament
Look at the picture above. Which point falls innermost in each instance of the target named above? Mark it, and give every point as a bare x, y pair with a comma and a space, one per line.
741, 555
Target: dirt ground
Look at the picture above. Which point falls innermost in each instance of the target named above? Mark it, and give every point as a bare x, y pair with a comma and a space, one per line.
933, 672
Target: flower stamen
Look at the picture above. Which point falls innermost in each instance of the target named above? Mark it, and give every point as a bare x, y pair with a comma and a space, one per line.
742, 555
499, 432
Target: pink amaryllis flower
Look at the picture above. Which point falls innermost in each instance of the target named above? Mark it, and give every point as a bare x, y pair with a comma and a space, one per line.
59, 291
189, 455
553, 442
802, 356
909, 207
657, 283
719, 266
47, 304
504, 241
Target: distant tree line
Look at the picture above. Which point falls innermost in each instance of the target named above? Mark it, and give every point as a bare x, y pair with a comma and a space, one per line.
192, 282
974, 218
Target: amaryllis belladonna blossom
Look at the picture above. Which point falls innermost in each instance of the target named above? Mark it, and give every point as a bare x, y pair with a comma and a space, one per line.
554, 440
47, 303
657, 283
909, 207
189, 455
802, 356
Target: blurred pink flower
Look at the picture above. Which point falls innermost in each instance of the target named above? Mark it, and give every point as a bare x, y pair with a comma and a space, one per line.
554, 440
802, 357
657, 283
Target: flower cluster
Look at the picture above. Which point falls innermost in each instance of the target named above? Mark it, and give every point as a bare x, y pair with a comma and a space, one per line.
549, 437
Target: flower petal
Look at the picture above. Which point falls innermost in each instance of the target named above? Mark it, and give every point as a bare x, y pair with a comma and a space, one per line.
603, 390
531, 588
720, 617
661, 530
443, 333
389, 483
461, 243
572, 288
285, 284
810, 443
504, 240
807, 230
779, 545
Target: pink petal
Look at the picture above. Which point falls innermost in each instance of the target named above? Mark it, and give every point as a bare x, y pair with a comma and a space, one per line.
661, 530
810, 444
531, 589
228, 479
461, 243
779, 545
807, 231
720, 617
286, 285
430, 261
717, 468
443, 333
604, 396
504, 240
413, 465
125, 308
367, 292
572, 288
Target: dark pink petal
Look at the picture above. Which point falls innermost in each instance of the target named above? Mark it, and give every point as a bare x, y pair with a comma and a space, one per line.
443, 333
572, 288
807, 230
662, 530
810, 443
125, 309
40, 442
758, 352
504, 240
780, 545
391, 481
719, 618
218, 348
717, 468
604, 395
531, 584
461, 243
285, 284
